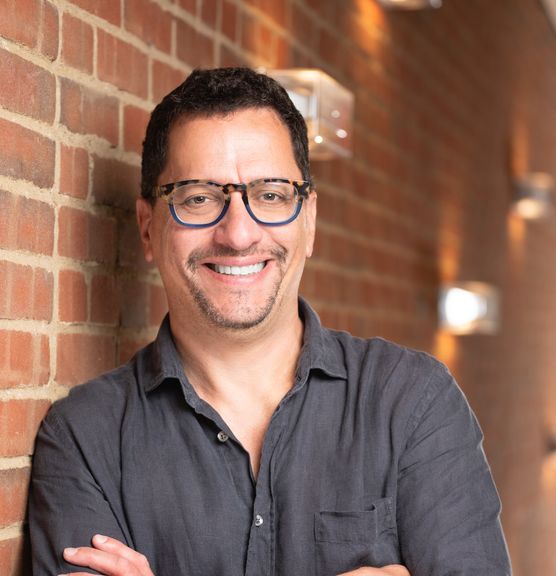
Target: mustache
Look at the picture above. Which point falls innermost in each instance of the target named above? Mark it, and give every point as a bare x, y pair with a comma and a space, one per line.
279, 253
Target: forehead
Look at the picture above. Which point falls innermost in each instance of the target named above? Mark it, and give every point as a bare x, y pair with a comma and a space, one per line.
244, 142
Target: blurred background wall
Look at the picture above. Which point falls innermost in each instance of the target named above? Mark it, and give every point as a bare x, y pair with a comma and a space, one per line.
450, 106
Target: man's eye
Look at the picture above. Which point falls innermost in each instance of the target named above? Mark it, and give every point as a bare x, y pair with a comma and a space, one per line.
196, 200
271, 197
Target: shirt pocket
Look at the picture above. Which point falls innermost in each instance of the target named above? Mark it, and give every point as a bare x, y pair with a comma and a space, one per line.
346, 541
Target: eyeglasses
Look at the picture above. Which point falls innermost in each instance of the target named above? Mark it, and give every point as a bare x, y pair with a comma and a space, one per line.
203, 203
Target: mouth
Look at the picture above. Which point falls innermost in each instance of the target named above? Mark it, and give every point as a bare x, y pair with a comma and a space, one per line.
237, 270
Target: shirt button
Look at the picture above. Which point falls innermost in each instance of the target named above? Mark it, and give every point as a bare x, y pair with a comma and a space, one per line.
258, 520
222, 436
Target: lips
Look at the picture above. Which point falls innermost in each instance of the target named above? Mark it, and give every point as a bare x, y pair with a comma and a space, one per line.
237, 270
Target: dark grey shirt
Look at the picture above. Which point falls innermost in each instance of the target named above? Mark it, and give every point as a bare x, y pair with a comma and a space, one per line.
374, 457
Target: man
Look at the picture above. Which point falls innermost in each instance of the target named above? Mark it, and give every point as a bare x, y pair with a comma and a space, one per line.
247, 439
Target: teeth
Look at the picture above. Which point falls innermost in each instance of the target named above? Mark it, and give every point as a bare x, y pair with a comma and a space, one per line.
238, 270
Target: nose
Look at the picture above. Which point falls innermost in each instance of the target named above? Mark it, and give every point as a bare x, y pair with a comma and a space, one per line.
237, 229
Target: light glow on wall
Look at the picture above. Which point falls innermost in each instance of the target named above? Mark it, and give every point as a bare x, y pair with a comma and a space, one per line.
469, 308
533, 196
411, 4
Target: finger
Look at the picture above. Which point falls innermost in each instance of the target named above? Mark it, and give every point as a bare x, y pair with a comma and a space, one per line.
390, 570
76, 574
396, 570
106, 563
111, 545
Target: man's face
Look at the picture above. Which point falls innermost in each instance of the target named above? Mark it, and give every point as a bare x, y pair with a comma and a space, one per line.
237, 273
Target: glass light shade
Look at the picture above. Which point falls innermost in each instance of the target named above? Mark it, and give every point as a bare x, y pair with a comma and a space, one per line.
411, 4
533, 195
326, 106
469, 308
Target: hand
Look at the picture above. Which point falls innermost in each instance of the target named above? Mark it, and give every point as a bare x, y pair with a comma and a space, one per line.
390, 570
109, 557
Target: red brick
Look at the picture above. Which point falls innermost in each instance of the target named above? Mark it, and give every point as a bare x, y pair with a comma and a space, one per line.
130, 252
86, 111
275, 9
209, 12
73, 238
26, 155
116, 183
329, 48
48, 31
74, 172
230, 57
257, 37
19, 422
303, 26
122, 64
83, 356
229, 23
24, 359
13, 495
164, 79
158, 304
20, 21
149, 22
280, 57
27, 292
103, 239
26, 224
194, 48
84, 236
135, 124
128, 346
15, 555
26, 88
134, 302
189, 5
33, 23
72, 298
104, 299
106, 9
77, 43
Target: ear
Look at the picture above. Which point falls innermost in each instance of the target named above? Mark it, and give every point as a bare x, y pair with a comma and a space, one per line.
310, 221
144, 213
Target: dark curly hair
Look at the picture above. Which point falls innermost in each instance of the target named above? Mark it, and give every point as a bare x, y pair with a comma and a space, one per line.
214, 92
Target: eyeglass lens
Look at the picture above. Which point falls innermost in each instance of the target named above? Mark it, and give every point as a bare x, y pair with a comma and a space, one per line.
202, 203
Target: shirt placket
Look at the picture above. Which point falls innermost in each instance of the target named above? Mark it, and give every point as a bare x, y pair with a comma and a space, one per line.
260, 550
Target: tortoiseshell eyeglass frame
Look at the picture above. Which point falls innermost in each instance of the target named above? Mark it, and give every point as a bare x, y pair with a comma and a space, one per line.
302, 189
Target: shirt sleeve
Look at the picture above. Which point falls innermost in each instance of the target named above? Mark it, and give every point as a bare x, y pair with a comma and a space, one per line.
448, 509
67, 506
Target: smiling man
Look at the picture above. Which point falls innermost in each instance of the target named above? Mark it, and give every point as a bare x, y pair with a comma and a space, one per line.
248, 439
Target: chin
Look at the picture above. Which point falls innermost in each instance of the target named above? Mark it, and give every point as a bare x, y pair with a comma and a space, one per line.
235, 316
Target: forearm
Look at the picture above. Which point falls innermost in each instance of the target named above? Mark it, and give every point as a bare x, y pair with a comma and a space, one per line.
66, 505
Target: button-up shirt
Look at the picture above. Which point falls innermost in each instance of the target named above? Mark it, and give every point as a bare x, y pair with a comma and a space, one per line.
373, 457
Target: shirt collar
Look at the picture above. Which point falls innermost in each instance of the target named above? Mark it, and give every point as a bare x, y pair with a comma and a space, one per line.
321, 351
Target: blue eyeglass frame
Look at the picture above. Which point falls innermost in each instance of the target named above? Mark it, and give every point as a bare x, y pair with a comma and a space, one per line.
302, 188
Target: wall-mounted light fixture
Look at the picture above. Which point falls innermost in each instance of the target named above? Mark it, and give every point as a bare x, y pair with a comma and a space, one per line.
326, 106
469, 308
533, 195
410, 4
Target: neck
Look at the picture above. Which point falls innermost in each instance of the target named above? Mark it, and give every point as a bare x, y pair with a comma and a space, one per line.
225, 365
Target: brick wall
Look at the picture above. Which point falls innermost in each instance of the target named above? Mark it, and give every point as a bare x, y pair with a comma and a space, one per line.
449, 104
